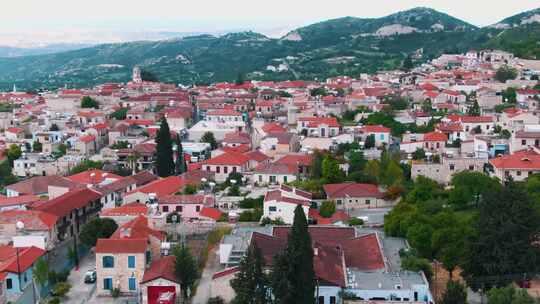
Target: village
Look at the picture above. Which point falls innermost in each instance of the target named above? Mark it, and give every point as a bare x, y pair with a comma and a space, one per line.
105, 190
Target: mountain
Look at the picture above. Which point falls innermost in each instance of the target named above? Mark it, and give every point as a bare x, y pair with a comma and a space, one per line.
8, 51
345, 46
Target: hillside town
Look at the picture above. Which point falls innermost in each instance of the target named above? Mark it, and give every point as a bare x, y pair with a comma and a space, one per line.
157, 193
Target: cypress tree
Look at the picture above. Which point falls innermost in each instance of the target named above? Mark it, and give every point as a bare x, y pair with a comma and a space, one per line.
293, 274
185, 268
164, 153
180, 164
250, 283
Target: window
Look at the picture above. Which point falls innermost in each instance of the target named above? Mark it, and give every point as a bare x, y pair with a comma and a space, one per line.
452, 167
207, 168
523, 142
179, 208
338, 202
108, 261
107, 283
272, 209
471, 167
218, 169
272, 179
518, 173
131, 284
165, 208
368, 202
225, 169
9, 284
198, 208
321, 300
381, 137
285, 179
131, 261
537, 142
234, 169
260, 178
332, 300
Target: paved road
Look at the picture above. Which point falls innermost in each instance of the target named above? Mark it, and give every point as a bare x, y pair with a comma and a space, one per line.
204, 290
81, 292
375, 216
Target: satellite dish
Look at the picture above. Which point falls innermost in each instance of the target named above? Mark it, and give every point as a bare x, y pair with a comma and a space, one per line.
19, 225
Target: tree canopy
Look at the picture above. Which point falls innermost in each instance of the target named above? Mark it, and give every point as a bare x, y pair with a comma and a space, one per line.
99, 228
164, 152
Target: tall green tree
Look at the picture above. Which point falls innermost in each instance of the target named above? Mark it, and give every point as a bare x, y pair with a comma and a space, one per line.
455, 294
503, 243
164, 151
251, 283
37, 146
370, 142
293, 276
316, 164
208, 137
185, 269
99, 228
331, 173
474, 110
180, 164
505, 73
13, 153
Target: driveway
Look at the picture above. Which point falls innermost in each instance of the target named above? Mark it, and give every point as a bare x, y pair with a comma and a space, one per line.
81, 292
204, 290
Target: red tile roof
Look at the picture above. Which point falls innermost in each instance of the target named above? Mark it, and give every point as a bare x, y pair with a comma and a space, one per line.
225, 272
15, 130
66, 203
87, 138
296, 159
230, 159
224, 112
338, 216
32, 219
121, 246
93, 176
162, 268
352, 190
435, 136
212, 213
273, 127
137, 228
523, 160
27, 257
40, 184
314, 122
164, 186
18, 200
375, 129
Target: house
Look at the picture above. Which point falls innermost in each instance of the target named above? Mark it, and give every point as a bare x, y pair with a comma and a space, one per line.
476, 124
518, 165
159, 283
124, 213
122, 259
318, 126
14, 134
432, 142
120, 264
276, 144
158, 188
16, 266
225, 164
39, 228
18, 202
355, 196
529, 136
86, 145
346, 260
381, 134
236, 139
113, 192
275, 173
73, 209
301, 160
189, 207
280, 203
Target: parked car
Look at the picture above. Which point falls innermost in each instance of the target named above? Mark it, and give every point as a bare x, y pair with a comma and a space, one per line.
90, 276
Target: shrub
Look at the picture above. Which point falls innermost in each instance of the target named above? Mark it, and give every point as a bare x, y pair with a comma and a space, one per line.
356, 222
61, 289
54, 300
267, 221
328, 208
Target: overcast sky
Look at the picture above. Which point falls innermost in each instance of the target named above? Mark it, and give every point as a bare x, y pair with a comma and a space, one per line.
37, 16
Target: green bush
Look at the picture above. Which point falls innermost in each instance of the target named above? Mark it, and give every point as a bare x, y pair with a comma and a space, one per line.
54, 300
115, 293
355, 222
328, 208
61, 289
215, 300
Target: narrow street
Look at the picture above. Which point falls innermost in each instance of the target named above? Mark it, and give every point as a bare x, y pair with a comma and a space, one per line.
81, 292
204, 289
